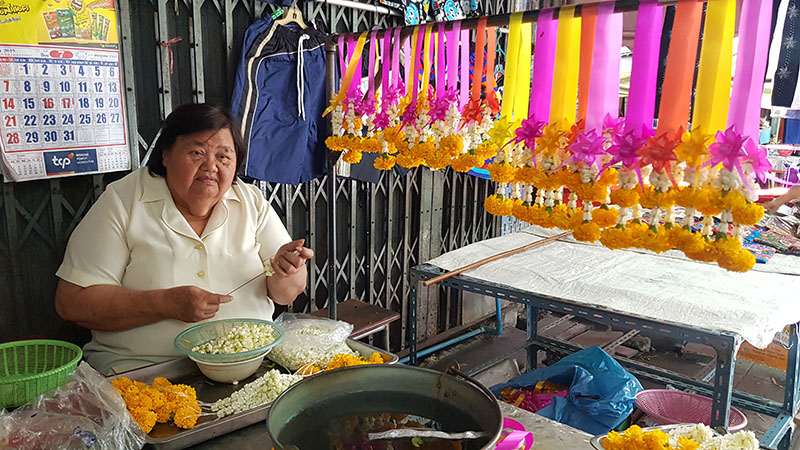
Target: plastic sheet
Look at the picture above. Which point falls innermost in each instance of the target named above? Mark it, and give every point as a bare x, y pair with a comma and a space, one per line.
601, 394
85, 413
310, 340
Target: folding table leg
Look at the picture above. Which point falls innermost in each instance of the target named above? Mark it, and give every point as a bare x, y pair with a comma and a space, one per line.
532, 332
723, 382
412, 323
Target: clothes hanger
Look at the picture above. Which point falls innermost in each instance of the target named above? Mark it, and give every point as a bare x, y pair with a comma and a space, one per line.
292, 15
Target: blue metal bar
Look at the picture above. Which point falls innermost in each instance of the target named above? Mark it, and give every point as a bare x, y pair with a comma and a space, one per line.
791, 397
531, 334
776, 432
412, 319
723, 384
499, 322
447, 343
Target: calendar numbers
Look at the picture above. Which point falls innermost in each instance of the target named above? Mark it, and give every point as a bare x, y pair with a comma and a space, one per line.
63, 103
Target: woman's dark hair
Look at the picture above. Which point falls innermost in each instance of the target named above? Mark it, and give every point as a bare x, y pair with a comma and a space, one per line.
189, 119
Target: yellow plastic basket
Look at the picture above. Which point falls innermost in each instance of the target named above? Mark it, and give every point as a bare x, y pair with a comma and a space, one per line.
30, 368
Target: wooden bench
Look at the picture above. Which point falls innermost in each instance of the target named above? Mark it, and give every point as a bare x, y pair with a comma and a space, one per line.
366, 319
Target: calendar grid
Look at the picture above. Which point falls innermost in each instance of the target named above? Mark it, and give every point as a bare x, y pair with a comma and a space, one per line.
61, 111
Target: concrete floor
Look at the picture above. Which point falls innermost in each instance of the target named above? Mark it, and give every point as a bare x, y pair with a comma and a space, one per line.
497, 359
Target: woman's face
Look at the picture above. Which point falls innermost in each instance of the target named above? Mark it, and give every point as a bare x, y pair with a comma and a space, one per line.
200, 167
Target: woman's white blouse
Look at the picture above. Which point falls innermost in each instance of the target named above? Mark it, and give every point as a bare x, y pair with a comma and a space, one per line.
135, 237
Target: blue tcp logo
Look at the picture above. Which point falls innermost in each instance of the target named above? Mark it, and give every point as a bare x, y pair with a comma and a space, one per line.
74, 161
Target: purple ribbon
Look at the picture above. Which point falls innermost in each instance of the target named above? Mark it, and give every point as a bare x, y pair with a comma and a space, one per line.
386, 65
748, 83
373, 49
440, 76
396, 59
604, 80
464, 98
544, 60
452, 55
644, 69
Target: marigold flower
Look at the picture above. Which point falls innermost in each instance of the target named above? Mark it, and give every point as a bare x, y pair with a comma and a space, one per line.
587, 232
352, 157
604, 216
451, 146
502, 172
748, 214
186, 417
616, 237
438, 160
498, 205
626, 198
564, 218
384, 162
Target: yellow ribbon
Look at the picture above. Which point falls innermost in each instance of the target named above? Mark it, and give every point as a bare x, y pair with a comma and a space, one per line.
522, 93
563, 106
714, 75
426, 74
512, 61
348, 77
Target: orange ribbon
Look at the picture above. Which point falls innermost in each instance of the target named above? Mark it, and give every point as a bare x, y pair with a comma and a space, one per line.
168, 45
588, 26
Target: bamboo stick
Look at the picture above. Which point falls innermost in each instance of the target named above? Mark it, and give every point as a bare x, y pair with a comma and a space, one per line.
489, 259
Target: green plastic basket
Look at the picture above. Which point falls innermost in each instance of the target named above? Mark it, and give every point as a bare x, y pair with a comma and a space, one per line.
33, 367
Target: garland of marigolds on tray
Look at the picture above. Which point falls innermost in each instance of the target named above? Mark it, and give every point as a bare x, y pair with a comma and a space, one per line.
616, 180
160, 402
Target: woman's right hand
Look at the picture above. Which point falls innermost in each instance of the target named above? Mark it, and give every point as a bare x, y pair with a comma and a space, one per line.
192, 304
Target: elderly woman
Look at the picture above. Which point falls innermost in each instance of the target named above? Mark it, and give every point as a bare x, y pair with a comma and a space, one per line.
162, 246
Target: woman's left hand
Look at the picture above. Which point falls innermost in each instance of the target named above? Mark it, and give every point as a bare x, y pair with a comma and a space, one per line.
291, 258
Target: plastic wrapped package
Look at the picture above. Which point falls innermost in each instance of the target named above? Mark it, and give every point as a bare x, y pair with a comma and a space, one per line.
310, 340
86, 413
601, 392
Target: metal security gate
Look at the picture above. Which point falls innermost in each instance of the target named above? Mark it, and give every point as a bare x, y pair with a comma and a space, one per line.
383, 229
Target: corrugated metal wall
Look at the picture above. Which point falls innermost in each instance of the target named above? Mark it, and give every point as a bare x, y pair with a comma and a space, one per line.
383, 229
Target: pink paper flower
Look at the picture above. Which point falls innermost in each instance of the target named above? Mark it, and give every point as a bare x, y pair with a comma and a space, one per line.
613, 127
756, 156
727, 150
587, 148
528, 132
626, 145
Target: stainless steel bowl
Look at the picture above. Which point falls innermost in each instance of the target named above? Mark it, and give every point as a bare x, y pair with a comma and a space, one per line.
299, 415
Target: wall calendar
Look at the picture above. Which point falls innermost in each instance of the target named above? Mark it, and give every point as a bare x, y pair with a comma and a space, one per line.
61, 93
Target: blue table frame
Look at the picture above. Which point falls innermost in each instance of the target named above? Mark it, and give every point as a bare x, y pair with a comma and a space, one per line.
778, 436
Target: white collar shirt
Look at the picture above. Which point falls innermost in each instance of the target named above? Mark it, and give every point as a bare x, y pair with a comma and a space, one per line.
135, 237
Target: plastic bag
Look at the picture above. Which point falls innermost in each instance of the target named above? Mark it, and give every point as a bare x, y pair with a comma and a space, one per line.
601, 393
86, 413
310, 340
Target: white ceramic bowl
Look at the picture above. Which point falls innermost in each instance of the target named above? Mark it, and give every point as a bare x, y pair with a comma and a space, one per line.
229, 372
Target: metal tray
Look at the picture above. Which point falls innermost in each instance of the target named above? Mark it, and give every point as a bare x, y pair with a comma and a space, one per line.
166, 436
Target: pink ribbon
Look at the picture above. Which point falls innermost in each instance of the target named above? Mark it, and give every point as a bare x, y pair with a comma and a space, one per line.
514, 436
544, 61
604, 81
387, 64
407, 53
440, 76
748, 83
396, 59
644, 68
417, 64
464, 68
373, 48
356, 84
452, 55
